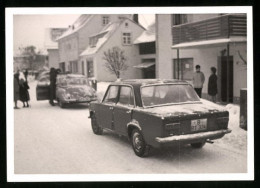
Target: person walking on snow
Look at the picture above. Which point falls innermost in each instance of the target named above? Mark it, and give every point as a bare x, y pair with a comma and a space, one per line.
16, 90
198, 80
212, 85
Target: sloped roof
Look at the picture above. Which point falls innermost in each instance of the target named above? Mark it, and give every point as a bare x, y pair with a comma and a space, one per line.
147, 36
77, 25
108, 30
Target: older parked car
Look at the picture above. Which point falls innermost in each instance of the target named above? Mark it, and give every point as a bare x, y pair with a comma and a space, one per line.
70, 88
155, 113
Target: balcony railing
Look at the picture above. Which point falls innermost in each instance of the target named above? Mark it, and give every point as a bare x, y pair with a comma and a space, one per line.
214, 28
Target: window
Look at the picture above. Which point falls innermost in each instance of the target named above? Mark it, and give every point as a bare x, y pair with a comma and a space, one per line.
105, 20
184, 69
178, 19
126, 96
90, 69
127, 38
73, 66
112, 93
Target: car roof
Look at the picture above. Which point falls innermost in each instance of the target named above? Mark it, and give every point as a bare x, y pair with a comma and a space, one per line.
143, 82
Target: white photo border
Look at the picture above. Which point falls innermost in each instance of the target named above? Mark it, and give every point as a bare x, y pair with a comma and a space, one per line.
12, 177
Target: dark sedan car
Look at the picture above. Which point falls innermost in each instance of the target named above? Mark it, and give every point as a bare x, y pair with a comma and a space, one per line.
70, 88
155, 113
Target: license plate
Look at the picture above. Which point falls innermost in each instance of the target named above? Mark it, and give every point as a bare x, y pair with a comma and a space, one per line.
198, 124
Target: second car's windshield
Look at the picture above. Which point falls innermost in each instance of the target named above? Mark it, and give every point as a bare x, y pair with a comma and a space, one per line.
167, 94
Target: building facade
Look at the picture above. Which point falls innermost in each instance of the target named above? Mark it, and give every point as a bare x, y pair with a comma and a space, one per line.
51, 34
76, 39
121, 34
209, 40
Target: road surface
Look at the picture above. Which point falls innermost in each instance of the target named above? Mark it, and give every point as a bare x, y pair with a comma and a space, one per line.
51, 140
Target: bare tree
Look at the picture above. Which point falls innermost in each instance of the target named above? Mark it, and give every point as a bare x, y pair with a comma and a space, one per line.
115, 61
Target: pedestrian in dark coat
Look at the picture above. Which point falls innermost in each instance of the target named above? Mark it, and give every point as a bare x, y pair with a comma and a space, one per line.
24, 94
16, 90
212, 85
53, 77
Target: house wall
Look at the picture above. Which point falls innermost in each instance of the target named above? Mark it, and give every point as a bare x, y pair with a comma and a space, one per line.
131, 52
53, 55
205, 56
79, 40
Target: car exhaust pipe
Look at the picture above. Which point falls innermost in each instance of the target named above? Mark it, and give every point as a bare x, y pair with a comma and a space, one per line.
209, 141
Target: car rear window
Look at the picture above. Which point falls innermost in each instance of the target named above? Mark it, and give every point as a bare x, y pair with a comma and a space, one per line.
168, 94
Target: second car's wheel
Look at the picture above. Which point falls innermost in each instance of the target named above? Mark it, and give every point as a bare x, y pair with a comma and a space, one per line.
61, 104
140, 148
198, 144
95, 127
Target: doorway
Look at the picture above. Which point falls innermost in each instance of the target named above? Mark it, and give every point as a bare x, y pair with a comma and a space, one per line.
225, 78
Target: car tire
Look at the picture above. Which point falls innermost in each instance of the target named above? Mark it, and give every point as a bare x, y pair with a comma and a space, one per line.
95, 127
61, 104
140, 148
198, 144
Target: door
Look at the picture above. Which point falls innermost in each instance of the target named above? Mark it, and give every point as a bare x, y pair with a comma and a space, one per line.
123, 110
225, 78
106, 108
43, 89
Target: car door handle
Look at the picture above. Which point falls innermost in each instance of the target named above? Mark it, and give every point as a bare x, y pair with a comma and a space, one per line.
128, 112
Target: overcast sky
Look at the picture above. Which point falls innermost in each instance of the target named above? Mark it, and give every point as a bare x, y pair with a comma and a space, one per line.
29, 29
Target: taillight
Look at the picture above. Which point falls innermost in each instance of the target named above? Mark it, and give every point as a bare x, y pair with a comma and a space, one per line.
222, 122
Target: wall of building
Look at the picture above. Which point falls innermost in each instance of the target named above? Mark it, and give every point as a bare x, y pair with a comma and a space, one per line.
163, 46
131, 52
206, 56
53, 55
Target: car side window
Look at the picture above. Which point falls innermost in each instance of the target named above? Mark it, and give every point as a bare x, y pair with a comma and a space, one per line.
126, 96
111, 96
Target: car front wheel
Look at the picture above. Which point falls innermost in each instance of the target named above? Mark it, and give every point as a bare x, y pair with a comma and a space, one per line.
95, 127
140, 148
61, 104
198, 144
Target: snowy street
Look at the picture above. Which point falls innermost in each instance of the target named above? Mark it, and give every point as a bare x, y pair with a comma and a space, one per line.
51, 140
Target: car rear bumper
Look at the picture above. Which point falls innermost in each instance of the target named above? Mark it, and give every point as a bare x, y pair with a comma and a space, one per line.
189, 138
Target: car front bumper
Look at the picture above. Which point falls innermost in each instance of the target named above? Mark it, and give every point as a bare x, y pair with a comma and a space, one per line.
79, 101
189, 138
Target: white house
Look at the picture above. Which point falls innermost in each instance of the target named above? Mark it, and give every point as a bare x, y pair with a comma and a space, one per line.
209, 40
120, 34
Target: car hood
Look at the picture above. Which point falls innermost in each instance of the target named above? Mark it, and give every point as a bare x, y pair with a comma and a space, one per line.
185, 109
80, 90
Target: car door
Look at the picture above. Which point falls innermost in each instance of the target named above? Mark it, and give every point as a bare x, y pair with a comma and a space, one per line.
43, 88
106, 108
123, 109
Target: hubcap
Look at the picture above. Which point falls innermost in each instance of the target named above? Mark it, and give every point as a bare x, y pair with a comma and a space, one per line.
137, 141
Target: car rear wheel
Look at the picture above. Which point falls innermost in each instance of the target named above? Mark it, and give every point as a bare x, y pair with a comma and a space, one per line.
61, 104
198, 144
95, 127
140, 148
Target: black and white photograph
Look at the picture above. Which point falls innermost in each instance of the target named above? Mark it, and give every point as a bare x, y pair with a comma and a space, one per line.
129, 94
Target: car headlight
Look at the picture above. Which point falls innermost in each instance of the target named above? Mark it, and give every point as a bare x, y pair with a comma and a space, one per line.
67, 95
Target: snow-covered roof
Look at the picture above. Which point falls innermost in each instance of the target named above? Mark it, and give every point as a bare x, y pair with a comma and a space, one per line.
209, 42
147, 36
107, 31
77, 25
51, 34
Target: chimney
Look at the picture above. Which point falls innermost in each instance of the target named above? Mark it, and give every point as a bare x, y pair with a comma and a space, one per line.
135, 18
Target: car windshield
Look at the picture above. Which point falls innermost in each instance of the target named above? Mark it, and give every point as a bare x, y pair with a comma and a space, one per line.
73, 81
168, 94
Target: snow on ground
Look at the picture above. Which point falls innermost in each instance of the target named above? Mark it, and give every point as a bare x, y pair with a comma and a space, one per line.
238, 137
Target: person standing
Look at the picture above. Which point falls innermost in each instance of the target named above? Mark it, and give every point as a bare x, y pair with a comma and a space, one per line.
198, 80
24, 94
53, 76
16, 90
212, 84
